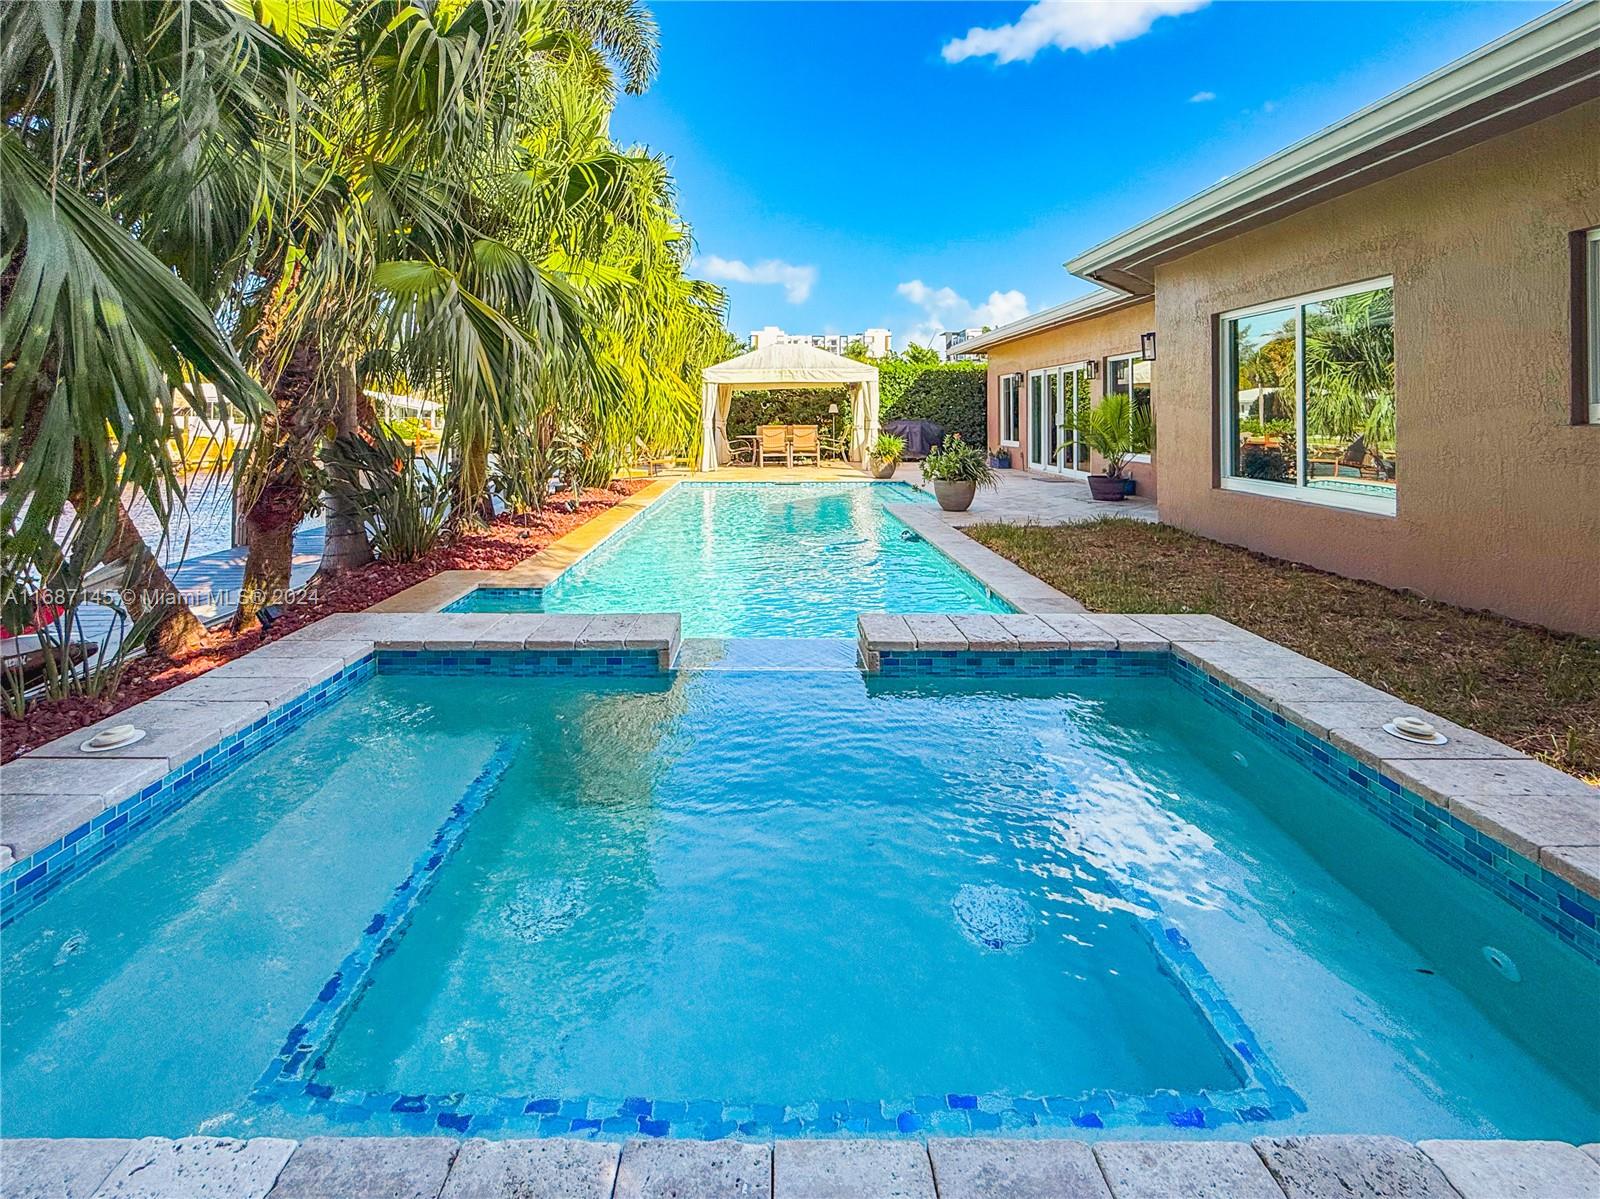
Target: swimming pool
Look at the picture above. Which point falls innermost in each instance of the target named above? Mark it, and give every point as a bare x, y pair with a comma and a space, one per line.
731, 901
760, 560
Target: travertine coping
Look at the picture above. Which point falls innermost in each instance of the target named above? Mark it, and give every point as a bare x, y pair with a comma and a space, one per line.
1543, 814
537, 570
1005, 578
1296, 1167
56, 788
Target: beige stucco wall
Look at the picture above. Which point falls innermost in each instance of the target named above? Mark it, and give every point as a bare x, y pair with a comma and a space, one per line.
1499, 493
1087, 340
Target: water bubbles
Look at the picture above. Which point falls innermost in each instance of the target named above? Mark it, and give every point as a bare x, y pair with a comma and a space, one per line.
545, 910
994, 917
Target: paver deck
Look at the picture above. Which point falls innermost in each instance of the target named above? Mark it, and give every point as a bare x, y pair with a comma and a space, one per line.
941, 1168
1022, 497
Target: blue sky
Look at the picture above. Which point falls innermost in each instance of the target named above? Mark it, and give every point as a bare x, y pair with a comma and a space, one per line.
848, 165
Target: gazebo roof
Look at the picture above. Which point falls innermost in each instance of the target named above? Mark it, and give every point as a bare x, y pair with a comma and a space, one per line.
788, 363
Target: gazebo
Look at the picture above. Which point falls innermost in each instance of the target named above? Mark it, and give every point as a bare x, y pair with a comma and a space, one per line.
788, 364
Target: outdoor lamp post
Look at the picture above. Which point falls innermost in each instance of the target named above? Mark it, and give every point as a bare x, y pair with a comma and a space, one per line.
833, 420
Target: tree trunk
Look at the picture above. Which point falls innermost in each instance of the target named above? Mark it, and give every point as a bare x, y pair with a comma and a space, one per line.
148, 589
473, 505
269, 531
345, 545
277, 481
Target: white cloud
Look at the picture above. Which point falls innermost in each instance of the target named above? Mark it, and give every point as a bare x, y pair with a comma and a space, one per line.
1202, 97
944, 308
1081, 25
796, 281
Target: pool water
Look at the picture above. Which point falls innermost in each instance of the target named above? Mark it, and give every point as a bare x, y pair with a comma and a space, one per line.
795, 892
761, 560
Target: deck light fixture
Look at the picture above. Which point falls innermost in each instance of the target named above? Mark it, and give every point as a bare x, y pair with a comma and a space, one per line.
1147, 346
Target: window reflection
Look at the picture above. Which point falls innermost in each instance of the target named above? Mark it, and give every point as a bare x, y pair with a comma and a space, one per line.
1318, 371
1264, 394
1349, 352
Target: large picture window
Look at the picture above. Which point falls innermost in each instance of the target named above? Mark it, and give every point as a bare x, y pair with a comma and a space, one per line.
1308, 398
1010, 408
1130, 375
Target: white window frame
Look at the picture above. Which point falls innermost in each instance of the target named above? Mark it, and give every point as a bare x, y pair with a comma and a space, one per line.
1592, 283
1227, 443
1006, 410
1130, 359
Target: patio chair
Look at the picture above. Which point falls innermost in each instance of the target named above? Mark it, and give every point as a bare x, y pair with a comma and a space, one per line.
803, 443
772, 441
742, 450
1336, 464
833, 447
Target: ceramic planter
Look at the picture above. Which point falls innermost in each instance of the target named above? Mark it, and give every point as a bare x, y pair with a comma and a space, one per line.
954, 496
1102, 488
883, 468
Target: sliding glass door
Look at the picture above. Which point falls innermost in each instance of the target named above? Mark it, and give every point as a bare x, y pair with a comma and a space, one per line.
1058, 406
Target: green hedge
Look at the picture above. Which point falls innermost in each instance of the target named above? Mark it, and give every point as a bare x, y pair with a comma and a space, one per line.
952, 394
788, 406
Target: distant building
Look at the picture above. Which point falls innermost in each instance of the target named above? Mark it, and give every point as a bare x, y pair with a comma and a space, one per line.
876, 340
953, 338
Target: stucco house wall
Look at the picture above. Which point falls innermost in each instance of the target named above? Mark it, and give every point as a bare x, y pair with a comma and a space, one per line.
1094, 339
1499, 492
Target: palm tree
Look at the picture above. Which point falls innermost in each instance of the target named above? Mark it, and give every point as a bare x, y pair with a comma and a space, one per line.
1349, 344
127, 151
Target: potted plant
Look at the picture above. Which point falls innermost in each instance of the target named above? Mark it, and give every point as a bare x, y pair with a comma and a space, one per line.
1112, 431
956, 471
885, 454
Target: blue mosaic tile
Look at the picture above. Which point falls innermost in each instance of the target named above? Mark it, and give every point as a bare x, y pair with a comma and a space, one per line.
27, 883
499, 599
291, 1080
1519, 881
626, 663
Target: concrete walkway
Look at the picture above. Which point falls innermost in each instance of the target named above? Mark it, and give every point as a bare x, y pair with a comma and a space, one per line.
1023, 498
210, 582
1314, 1167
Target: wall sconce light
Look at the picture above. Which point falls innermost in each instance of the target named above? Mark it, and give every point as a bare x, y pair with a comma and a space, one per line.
1147, 346
1091, 368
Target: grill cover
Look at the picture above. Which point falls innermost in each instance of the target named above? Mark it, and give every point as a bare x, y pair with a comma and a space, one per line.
920, 435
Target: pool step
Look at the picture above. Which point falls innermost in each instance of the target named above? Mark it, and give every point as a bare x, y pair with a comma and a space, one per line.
768, 653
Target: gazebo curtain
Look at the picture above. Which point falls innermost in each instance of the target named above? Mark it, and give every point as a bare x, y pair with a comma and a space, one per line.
793, 364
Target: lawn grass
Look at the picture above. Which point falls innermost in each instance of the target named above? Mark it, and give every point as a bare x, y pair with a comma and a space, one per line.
1535, 690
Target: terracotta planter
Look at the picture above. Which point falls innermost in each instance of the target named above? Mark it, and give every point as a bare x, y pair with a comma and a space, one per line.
954, 496
1102, 488
883, 468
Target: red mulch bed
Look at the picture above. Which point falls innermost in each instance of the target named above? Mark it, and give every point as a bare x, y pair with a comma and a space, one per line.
501, 546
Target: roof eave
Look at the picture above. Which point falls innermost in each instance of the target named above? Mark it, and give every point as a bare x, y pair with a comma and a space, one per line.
1041, 322
1548, 65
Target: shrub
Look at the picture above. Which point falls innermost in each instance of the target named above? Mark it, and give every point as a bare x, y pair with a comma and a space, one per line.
404, 500
957, 462
787, 406
950, 394
888, 448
